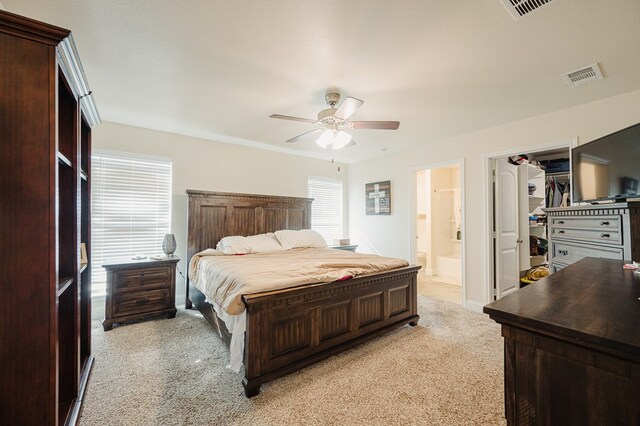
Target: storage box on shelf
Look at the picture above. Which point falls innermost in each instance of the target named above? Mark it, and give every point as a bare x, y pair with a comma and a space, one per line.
46, 121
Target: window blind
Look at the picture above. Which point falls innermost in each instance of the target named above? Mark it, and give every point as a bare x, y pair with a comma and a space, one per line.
326, 211
131, 209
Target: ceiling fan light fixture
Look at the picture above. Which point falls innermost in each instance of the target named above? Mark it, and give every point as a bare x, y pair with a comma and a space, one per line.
337, 139
331, 120
341, 139
325, 139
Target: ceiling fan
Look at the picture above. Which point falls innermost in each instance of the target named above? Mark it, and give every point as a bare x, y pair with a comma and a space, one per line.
333, 120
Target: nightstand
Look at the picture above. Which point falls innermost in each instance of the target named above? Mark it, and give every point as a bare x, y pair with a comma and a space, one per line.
138, 289
349, 247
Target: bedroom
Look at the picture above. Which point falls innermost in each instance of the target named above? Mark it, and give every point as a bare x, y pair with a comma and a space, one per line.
192, 85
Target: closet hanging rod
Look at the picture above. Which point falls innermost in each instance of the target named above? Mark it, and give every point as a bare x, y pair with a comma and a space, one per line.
556, 174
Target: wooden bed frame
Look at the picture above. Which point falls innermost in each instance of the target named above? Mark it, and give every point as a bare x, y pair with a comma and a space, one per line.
292, 328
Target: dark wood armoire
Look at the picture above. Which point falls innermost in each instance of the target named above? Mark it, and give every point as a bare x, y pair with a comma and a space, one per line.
46, 115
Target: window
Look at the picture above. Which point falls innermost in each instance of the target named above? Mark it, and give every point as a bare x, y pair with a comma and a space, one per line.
326, 210
131, 209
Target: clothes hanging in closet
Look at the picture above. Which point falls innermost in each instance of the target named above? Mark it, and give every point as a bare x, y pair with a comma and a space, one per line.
557, 192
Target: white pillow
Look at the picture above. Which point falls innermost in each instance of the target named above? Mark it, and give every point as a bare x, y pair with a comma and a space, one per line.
303, 238
244, 245
234, 245
263, 243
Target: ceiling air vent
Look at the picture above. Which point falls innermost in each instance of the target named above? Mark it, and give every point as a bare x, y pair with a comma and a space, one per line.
520, 8
583, 75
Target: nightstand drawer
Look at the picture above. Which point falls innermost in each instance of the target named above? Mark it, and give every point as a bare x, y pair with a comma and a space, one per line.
135, 302
135, 279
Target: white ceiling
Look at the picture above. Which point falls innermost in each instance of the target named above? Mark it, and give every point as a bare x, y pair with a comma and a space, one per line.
217, 69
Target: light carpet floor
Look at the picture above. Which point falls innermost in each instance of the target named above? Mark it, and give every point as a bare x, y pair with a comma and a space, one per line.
445, 371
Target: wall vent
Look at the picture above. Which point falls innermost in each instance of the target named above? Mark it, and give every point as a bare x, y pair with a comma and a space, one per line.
520, 8
583, 75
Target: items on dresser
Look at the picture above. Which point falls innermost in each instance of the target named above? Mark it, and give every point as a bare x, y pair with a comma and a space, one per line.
139, 289
609, 231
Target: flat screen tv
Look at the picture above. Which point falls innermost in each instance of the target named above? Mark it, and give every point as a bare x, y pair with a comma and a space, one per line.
607, 168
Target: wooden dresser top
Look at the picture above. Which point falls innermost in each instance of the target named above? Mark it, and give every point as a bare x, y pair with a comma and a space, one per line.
594, 301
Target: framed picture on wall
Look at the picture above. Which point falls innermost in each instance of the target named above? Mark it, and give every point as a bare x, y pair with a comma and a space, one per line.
378, 198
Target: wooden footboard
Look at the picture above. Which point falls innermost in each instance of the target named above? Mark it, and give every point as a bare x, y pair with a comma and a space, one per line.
290, 329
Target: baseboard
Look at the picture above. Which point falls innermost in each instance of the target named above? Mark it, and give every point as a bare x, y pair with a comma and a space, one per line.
473, 306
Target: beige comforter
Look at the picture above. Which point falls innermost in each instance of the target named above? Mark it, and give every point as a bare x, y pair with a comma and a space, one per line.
225, 278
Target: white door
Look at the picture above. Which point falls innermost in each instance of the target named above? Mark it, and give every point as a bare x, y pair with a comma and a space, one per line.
507, 273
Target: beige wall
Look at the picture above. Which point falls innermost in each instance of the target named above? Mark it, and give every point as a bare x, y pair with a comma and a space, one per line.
208, 165
390, 235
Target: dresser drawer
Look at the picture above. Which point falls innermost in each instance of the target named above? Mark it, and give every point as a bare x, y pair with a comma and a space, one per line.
567, 253
598, 223
136, 279
135, 302
608, 236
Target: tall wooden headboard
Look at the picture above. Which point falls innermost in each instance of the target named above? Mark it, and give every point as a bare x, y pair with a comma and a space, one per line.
214, 215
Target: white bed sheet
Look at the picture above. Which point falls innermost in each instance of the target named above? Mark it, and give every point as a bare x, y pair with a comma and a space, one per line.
236, 325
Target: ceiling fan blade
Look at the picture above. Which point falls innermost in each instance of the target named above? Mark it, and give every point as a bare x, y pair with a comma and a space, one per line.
351, 143
288, 117
348, 107
385, 125
294, 139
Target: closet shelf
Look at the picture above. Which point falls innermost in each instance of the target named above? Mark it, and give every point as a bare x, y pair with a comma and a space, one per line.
534, 171
558, 174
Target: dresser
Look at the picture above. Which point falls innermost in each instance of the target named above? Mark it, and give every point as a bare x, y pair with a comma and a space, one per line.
138, 289
572, 347
609, 231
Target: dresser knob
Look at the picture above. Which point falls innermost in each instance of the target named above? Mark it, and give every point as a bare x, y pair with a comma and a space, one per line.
561, 221
604, 222
561, 232
563, 252
604, 235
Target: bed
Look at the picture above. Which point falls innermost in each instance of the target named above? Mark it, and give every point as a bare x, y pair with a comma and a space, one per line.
291, 328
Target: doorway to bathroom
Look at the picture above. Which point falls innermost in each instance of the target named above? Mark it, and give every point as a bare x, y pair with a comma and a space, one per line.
439, 233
